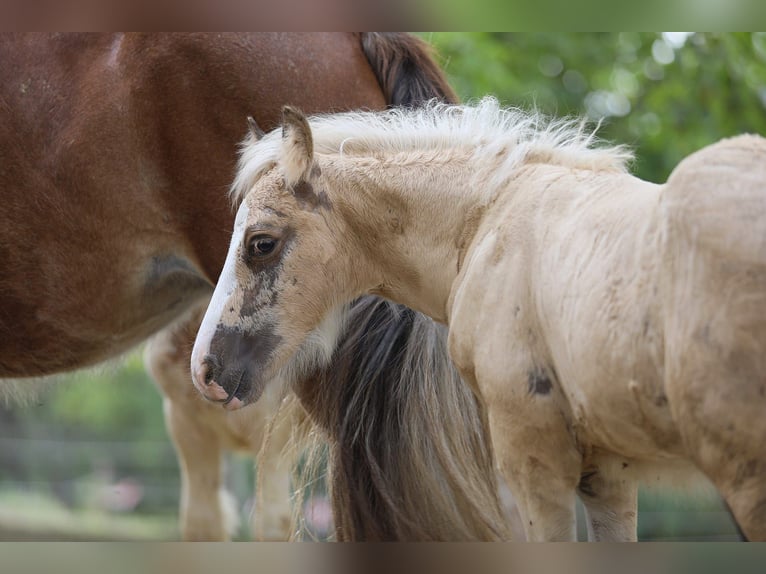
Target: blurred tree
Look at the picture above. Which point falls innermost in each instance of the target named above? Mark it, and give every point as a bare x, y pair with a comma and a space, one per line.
666, 95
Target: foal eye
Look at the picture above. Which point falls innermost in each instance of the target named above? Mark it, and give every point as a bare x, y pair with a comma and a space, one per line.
261, 245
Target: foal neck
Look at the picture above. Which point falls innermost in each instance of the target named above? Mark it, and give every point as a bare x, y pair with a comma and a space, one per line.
410, 216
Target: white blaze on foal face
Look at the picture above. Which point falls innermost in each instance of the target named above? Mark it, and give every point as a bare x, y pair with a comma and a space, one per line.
270, 315
234, 338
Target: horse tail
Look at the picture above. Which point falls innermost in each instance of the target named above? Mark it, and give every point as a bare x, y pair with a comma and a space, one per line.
409, 453
405, 69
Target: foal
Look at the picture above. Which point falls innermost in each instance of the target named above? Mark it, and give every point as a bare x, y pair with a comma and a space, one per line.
613, 328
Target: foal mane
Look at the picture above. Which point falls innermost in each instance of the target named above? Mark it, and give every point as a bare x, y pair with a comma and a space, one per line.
485, 129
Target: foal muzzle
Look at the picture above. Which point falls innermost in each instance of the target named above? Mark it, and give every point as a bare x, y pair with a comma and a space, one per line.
230, 372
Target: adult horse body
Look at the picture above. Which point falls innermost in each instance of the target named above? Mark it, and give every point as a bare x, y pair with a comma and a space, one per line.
116, 152
613, 327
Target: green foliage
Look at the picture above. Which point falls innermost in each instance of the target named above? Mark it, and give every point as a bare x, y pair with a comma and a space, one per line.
90, 430
666, 95
115, 401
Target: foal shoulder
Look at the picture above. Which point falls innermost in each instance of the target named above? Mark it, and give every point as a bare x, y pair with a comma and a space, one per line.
485, 305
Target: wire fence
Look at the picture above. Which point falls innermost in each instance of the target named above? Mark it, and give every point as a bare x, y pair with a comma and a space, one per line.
86, 477
115, 475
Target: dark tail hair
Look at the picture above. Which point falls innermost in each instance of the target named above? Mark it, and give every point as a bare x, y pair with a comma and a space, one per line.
410, 458
405, 69
409, 454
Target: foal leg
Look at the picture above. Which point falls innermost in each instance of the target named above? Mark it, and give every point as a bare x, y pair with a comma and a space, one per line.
611, 504
716, 379
715, 331
541, 465
726, 437
206, 512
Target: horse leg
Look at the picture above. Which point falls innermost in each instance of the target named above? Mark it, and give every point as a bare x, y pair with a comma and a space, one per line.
207, 512
716, 368
541, 465
510, 510
747, 502
725, 437
611, 505
272, 515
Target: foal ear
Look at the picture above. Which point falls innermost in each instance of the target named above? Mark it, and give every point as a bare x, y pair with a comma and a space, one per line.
255, 129
297, 145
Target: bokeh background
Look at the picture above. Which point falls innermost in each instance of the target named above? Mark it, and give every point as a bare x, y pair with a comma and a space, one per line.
90, 459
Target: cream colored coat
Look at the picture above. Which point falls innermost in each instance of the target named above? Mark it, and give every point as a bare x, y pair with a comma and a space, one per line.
613, 328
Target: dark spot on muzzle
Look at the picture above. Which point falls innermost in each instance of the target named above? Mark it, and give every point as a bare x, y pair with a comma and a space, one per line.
237, 360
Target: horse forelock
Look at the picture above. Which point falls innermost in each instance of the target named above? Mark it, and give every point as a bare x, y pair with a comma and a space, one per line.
484, 129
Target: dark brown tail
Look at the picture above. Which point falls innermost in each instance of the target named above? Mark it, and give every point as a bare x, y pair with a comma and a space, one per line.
405, 69
409, 455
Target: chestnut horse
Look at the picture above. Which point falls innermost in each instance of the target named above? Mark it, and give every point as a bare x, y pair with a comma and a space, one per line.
116, 153
614, 327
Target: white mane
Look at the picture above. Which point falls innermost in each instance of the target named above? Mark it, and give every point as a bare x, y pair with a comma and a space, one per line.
484, 127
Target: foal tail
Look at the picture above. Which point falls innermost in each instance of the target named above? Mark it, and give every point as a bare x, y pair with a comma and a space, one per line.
409, 453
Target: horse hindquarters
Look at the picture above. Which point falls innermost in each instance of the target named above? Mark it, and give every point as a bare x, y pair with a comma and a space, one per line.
715, 298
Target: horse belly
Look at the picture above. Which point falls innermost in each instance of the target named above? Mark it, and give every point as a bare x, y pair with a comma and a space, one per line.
89, 315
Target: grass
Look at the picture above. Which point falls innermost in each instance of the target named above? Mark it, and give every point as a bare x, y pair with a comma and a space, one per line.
39, 517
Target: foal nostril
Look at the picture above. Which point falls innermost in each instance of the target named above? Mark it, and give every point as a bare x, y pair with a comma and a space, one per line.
212, 368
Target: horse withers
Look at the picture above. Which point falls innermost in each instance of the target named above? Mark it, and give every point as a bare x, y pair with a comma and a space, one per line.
613, 328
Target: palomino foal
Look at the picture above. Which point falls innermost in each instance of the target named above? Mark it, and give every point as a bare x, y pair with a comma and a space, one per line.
613, 328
